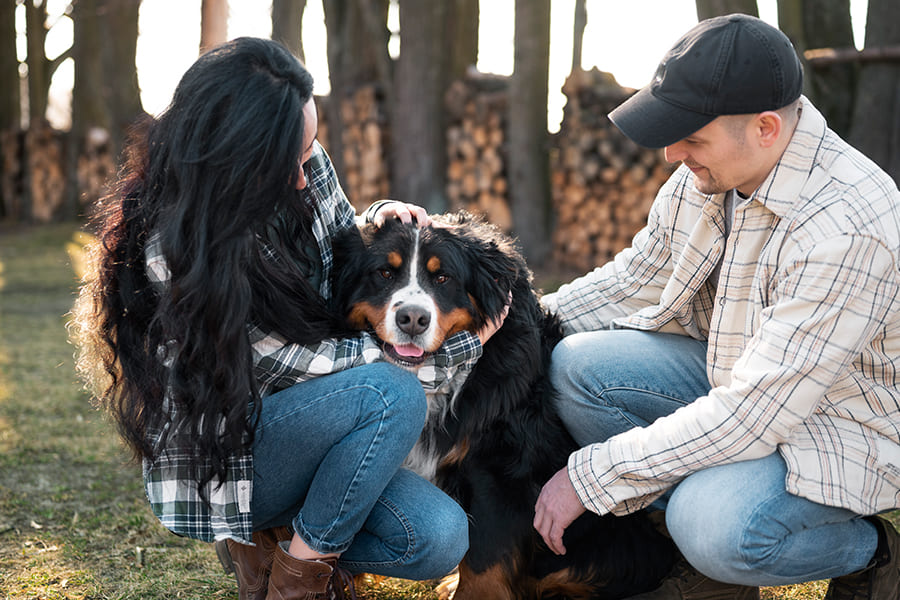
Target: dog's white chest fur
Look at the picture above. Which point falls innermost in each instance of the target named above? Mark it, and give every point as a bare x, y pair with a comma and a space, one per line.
424, 457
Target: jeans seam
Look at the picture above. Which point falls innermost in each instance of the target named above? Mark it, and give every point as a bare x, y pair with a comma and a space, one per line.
410, 539
644, 391
621, 411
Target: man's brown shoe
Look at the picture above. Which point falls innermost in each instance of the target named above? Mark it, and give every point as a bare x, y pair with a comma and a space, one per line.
251, 564
686, 583
878, 581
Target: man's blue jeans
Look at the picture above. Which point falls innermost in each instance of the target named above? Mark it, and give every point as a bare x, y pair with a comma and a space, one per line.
734, 523
327, 459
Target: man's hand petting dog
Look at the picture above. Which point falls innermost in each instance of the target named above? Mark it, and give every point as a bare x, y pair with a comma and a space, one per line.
557, 507
491, 327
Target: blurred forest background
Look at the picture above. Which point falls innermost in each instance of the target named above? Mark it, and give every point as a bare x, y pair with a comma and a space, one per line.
423, 125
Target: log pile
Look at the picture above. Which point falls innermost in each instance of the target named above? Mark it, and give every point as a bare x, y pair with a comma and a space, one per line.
11, 181
603, 184
45, 172
96, 167
366, 176
476, 161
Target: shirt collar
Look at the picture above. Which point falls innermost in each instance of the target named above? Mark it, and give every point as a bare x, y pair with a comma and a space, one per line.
783, 186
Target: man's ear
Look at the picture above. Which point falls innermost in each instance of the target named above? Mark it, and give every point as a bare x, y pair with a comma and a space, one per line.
767, 127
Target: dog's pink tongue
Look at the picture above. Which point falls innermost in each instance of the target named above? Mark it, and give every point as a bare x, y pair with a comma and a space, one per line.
409, 350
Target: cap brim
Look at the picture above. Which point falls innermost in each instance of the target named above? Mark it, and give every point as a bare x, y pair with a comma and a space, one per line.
654, 123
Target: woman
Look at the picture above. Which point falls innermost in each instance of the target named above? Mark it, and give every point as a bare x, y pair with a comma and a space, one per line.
205, 331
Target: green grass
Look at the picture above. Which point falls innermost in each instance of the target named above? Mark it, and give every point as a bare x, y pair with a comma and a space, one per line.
74, 522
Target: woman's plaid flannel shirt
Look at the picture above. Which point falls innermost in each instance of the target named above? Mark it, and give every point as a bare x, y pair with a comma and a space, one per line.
803, 331
278, 364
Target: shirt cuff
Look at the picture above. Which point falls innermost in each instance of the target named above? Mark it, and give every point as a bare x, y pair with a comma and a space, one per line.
369, 215
586, 483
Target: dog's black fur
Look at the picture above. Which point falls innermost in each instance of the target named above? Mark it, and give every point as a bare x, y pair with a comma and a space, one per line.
500, 440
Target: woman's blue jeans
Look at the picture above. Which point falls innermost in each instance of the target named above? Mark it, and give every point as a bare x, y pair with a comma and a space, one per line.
327, 460
734, 523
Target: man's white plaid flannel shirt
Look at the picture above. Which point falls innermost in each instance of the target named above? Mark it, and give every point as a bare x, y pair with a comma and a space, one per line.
279, 364
803, 331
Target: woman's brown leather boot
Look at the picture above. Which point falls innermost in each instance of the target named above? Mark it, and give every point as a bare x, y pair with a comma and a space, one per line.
251, 564
296, 579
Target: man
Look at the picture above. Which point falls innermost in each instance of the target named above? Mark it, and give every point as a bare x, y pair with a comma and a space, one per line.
739, 363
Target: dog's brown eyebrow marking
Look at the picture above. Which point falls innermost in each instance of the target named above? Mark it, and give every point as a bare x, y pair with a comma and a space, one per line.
395, 260
433, 265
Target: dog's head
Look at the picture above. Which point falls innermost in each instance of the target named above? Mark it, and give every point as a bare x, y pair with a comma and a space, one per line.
415, 287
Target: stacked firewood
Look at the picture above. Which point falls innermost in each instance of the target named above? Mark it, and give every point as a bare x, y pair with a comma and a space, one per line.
476, 161
11, 174
95, 166
366, 177
603, 183
45, 172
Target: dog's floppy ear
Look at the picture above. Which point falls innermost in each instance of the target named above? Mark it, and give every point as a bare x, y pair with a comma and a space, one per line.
494, 264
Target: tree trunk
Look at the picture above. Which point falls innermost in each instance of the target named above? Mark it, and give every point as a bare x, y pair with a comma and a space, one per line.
529, 161
419, 118
462, 25
10, 106
714, 8
580, 23
357, 55
287, 24
120, 21
10, 100
875, 129
213, 24
105, 96
815, 24
88, 104
38, 68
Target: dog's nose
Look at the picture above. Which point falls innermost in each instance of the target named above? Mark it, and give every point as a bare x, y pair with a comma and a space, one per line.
413, 320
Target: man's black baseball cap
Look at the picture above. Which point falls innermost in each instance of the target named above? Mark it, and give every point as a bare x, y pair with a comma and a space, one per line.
730, 65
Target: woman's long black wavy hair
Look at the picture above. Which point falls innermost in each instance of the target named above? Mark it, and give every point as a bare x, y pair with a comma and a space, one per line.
206, 178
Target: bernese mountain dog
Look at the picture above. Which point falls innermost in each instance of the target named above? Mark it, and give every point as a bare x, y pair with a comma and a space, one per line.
493, 443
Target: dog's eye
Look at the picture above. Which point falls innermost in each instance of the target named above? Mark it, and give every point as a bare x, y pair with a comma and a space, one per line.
386, 273
441, 279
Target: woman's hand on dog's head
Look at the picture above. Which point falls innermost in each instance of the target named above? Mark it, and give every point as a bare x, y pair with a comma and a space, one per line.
407, 213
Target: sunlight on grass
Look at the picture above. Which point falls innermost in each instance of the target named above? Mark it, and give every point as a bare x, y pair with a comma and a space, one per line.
77, 251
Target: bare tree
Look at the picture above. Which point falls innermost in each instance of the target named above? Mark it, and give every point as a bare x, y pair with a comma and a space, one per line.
462, 28
875, 128
40, 67
580, 23
357, 54
106, 95
529, 161
10, 100
714, 8
816, 24
287, 23
213, 24
419, 118
438, 43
